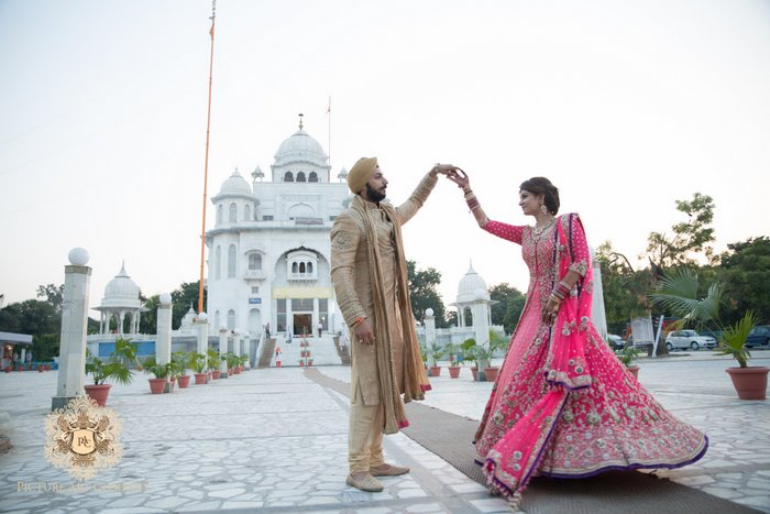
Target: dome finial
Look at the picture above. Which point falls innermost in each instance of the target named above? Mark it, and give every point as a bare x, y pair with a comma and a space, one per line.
300, 120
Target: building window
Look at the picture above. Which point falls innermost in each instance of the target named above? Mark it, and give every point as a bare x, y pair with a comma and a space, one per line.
216, 321
255, 261
323, 312
294, 267
267, 218
302, 305
288, 177
281, 315
313, 177
254, 289
301, 176
310, 267
231, 320
233, 213
220, 211
247, 213
302, 268
218, 263
231, 261
332, 218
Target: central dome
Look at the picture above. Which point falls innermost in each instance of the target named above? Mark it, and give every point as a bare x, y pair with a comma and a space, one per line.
472, 287
300, 147
121, 291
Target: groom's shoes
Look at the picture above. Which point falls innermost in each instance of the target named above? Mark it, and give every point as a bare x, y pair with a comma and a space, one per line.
368, 483
388, 470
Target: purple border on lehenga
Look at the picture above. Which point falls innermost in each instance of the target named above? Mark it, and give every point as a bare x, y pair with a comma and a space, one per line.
632, 466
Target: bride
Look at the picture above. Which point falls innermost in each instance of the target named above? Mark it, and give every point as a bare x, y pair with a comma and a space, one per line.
563, 405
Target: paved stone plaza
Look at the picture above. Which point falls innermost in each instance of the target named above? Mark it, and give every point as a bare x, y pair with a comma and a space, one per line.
272, 440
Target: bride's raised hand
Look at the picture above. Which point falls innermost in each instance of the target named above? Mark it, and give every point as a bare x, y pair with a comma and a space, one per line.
459, 177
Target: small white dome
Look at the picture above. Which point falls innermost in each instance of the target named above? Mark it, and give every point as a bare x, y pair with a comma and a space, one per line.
429, 312
469, 287
300, 147
235, 184
165, 299
121, 291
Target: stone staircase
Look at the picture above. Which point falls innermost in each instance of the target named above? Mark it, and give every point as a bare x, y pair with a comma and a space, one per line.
267, 353
323, 351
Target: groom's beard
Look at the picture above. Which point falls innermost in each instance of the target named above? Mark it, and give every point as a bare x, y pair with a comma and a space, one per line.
373, 194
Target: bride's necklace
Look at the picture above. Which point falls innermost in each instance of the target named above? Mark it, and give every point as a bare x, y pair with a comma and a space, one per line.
538, 230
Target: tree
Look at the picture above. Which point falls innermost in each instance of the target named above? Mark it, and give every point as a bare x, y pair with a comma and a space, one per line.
503, 294
513, 310
423, 293
745, 271
689, 238
149, 322
53, 295
625, 289
185, 296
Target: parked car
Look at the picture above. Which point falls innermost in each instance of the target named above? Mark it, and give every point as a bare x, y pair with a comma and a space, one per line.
684, 339
759, 336
616, 342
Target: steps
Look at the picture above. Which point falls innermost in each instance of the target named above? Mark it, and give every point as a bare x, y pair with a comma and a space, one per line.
266, 356
323, 351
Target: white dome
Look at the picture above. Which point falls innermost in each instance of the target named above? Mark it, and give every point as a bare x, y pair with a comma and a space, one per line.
121, 291
300, 147
471, 287
235, 184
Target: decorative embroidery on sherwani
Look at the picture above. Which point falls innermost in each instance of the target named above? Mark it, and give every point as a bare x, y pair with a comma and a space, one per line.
342, 241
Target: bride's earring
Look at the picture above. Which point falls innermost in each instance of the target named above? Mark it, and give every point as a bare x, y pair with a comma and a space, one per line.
544, 209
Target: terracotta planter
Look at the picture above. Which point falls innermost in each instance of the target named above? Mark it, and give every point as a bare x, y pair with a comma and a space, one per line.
750, 383
634, 370
99, 392
475, 372
237, 370
184, 381
47, 367
200, 378
435, 371
491, 373
454, 371
7, 369
157, 385
39, 368
216, 374
230, 372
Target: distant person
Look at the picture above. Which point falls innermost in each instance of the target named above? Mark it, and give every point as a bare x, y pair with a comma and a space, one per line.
277, 356
368, 270
288, 336
563, 404
267, 331
320, 328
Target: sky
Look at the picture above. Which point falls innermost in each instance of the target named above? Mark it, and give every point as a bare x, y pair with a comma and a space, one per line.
626, 106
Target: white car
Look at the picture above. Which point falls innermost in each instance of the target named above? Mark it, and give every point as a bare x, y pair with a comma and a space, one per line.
684, 339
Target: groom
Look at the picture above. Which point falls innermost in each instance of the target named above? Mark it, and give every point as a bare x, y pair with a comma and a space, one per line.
370, 280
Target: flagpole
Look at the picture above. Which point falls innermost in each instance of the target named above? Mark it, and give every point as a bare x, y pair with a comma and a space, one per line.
206, 163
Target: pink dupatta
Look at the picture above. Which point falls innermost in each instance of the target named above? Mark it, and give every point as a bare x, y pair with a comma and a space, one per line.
515, 457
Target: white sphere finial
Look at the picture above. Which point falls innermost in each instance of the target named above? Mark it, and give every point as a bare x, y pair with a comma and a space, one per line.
165, 299
78, 256
429, 312
202, 316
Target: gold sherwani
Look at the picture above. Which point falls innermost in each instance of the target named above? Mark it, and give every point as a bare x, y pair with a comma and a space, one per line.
352, 279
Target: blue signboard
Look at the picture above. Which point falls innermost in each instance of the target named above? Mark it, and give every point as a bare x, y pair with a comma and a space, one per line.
255, 300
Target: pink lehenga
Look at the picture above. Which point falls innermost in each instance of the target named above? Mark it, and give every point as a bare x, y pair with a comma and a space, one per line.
563, 405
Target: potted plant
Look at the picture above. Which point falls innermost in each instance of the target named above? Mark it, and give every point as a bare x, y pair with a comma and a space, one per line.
198, 362
468, 347
232, 362
116, 367
679, 293
181, 363
244, 360
214, 363
47, 367
436, 352
627, 356
161, 373
482, 357
496, 342
454, 367
750, 382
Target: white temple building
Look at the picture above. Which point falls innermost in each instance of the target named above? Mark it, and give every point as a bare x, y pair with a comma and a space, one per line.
269, 250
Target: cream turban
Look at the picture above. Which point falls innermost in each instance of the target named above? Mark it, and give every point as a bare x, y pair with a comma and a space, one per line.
361, 172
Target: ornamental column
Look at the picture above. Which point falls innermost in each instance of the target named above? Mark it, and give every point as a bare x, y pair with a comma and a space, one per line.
247, 349
163, 339
202, 322
430, 332
222, 352
237, 342
74, 325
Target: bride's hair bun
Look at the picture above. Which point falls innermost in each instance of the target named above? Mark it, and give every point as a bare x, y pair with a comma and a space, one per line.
543, 186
